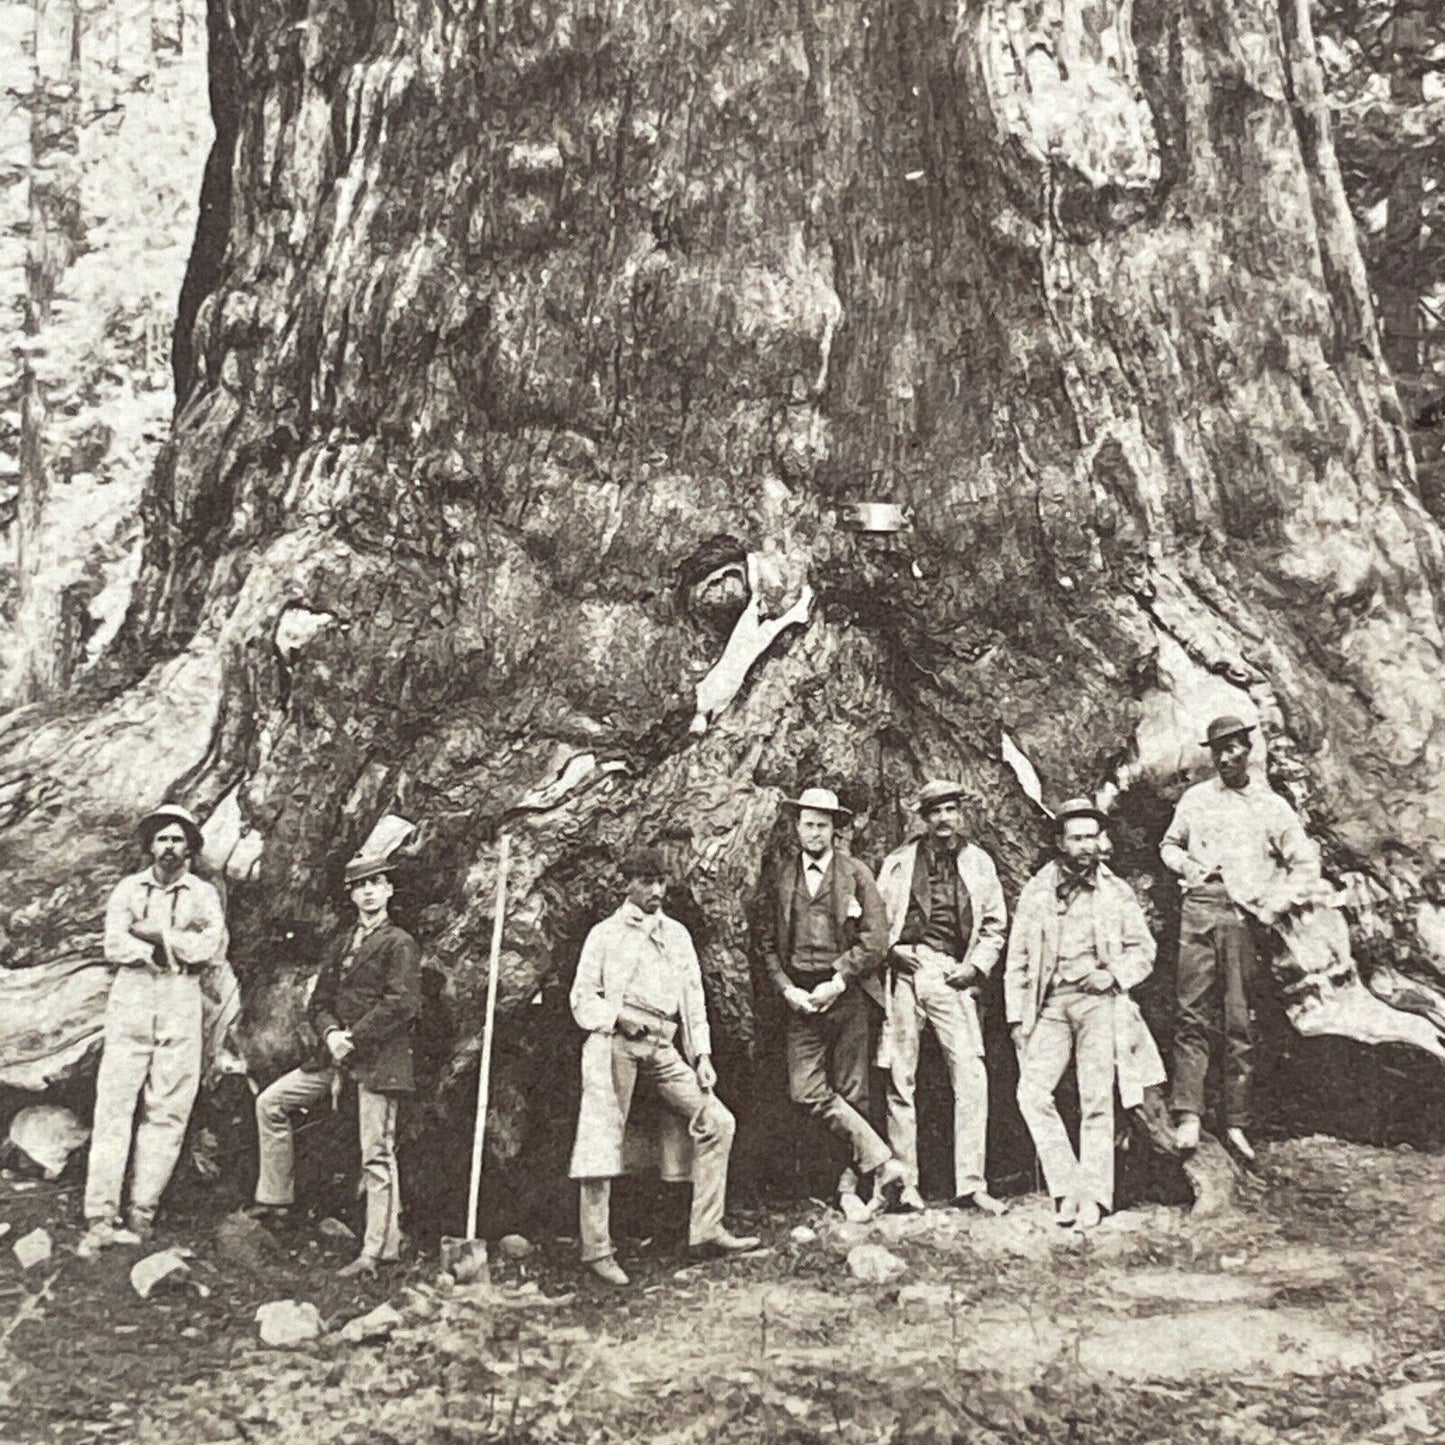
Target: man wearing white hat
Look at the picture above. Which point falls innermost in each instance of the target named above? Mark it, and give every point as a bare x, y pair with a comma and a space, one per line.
1079, 943
162, 927
946, 923
366, 999
823, 934
1243, 860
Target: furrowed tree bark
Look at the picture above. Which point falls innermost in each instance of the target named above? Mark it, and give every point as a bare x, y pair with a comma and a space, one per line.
549, 348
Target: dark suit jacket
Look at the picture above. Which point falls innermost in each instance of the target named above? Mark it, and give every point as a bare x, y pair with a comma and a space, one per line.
865, 933
378, 999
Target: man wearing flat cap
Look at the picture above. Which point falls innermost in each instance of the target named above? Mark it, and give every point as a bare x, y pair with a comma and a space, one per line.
946, 923
822, 935
638, 995
162, 927
1243, 860
1079, 943
366, 1000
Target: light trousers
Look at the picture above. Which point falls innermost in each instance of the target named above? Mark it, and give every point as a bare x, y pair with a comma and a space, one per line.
1077, 1025
151, 1057
376, 1121
710, 1126
925, 999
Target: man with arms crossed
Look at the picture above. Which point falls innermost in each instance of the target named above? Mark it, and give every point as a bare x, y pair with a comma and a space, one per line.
162, 927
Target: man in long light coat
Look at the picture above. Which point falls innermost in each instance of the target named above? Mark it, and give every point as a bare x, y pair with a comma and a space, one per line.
1080, 942
638, 994
946, 922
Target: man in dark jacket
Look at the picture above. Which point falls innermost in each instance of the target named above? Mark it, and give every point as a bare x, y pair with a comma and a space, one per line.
823, 934
367, 996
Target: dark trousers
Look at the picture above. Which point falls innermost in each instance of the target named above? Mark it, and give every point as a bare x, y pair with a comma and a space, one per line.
828, 1074
1217, 959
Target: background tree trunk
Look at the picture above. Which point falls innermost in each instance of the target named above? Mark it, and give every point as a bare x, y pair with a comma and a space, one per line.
535, 323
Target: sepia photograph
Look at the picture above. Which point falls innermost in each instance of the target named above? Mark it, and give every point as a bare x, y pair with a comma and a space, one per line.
722, 722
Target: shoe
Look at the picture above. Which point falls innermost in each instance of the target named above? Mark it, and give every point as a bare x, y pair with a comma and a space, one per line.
1068, 1212
1089, 1216
608, 1270
854, 1210
1186, 1134
104, 1234
983, 1202
362, 1264
910, 1201
1238, 1140
889, 1182
139, 1225
723, 1243
270, 1213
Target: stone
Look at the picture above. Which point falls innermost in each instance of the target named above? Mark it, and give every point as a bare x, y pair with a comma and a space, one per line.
801, 1234
286, 1323
47, 1135
367, 1328
335, 1229
515, 1246
872, 1264
33, 1248
245, 1242
166, 1267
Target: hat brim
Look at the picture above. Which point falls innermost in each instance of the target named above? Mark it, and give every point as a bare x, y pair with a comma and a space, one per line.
839, 812
380, 869
150, 825
1101, 819
923, 807
1218, 738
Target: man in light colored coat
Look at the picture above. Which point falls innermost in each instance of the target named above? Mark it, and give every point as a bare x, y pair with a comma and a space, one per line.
638, 994
1080, 942
946, 922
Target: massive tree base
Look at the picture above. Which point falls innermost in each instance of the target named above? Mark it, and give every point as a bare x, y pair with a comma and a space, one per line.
529, 400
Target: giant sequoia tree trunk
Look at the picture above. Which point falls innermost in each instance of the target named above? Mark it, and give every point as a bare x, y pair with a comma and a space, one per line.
550, 339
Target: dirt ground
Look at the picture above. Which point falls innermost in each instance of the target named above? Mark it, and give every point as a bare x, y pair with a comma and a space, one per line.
1311, 1313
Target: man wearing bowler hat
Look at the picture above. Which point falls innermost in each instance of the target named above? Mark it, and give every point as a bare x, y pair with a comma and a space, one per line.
1243, 860
1079, 943
823, 932
162, 927
365, 1002
946, 922
638, 995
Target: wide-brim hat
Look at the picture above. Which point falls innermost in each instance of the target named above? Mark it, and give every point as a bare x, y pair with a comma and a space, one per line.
820, 800
1080, 808
1224, 727
360, 868
167, 813
935, 792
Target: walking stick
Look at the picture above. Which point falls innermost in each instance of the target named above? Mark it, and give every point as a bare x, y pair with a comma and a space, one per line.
467, 1258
